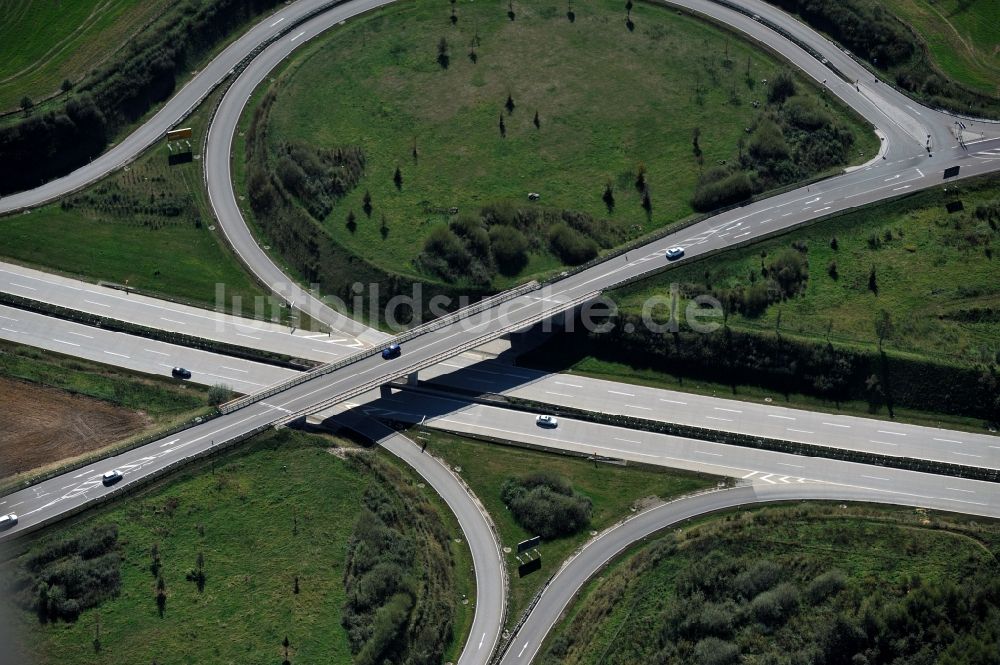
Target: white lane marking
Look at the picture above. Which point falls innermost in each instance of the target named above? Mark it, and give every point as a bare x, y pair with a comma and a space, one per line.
7, 318
947, 440
767, 479
913, 109
635, 406
836, 425
672, 401
822, 209
814, 200
99, 304
112, 353
727, 420
180, 323
895, 177
168, 443
920, 172
272, 406
549, 392
297, 36
774, 415
885, 431
481, 640
720, 408
974, 503
955, 489
615, 392
742, 234
10, 330
84, 473
787, 214
800, 431
250, 336
329, 353
278, 21
884, 443
965, 454
896, 189
627, 440
159, 353
767, 220
242, 371
79, 334
17, 504
794, 466
875, 477
570, 385
521, 652
66, 487
62, 341
752, 473
22, 286
702, 452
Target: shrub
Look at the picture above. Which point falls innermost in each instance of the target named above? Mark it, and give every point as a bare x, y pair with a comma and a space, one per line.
758, 578
826, 585
571, 246
546, 505
774, 607
790, 270
713, 651
718, 188
219, 393
782, 87
767, 142
510, 249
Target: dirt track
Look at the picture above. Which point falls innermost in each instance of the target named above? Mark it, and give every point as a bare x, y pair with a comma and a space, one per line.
40, 425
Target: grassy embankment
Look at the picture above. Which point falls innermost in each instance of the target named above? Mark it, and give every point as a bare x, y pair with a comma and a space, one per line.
935, 276
614, 491
272, 522
149, 225
961, 36
46, 43
635, 104
817, 583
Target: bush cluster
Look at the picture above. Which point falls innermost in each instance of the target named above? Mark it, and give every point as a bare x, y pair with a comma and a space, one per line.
318, 178
69, 574
546, 505
398, 578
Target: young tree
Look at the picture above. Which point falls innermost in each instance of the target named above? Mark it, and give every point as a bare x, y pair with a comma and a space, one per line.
443, 58
366, 203
503, 127
161, 595
538, 123
397, 178
640, 178
66, 86
695, 146
27, 105
609, 196
873, 280
647, 205
883, 327
509, 105
352, 224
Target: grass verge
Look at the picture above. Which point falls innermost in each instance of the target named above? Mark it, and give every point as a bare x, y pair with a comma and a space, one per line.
614, 491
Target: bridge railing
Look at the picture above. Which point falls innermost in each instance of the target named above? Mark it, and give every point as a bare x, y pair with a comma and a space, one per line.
430, 326
405, 370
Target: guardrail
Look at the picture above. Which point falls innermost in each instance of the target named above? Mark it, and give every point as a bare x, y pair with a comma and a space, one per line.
430, 326
450, 353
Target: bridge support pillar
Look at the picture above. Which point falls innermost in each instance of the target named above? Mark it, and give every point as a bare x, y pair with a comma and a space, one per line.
384, 391
412, 379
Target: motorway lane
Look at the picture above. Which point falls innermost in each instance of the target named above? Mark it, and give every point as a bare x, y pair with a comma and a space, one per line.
175, 317
471, 372
770, 420
562, 589
136, 353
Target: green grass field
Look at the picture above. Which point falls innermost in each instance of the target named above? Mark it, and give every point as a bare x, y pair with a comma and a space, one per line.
147, 226
614, 491
932, 269
280, 507
608, 101
685, 593
46, 42
962, 37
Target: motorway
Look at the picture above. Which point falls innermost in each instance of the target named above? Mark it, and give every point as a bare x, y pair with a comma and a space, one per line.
473, 373
907, 166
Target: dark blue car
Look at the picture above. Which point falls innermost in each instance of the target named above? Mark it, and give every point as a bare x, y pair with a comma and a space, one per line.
391, 351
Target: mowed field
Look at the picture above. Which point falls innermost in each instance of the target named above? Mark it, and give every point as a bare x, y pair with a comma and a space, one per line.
963, 37
609, 101
271, 524
47, 41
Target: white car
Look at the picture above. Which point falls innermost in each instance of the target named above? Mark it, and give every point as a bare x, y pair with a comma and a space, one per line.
111, 477
7, 521
675, 253
546, 421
